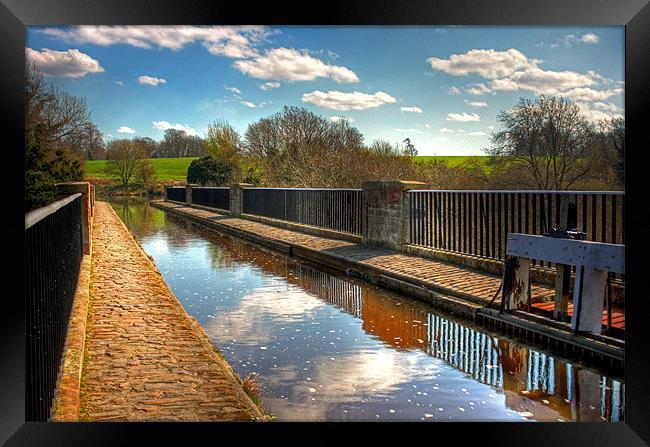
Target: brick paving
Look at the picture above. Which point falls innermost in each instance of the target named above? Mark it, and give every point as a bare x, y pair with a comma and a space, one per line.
146, 359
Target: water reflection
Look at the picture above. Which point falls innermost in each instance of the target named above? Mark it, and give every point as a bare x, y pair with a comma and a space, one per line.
329, 347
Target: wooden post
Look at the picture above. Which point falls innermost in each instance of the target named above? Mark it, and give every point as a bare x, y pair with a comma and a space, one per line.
588, 300
568, 221
516, 284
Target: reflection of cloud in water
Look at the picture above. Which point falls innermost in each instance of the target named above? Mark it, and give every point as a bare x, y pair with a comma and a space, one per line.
275, 301
367, 372
343, 379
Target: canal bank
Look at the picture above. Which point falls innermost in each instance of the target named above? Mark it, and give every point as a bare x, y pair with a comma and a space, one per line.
145, 358
453, 288
330, 347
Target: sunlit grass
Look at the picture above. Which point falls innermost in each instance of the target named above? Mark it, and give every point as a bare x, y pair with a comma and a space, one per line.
165, 168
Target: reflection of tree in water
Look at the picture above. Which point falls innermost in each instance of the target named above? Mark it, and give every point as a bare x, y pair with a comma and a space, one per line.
522, 373
142, 219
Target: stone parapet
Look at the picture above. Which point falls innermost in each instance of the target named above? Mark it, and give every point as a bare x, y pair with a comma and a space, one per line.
386, 206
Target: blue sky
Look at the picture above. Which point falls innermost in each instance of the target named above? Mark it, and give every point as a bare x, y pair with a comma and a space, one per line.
440, 86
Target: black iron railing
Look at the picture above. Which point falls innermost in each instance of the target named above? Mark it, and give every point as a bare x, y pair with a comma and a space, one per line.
334, 209
53, 253
213, 197
477, 223
176, 193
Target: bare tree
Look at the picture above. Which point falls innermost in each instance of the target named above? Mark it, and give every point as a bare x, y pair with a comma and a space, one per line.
58, 115
547, 138
223, 141
125, 158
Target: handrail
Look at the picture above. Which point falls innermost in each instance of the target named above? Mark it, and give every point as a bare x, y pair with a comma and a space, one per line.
39, 214
210, 187
308, 189
521, 191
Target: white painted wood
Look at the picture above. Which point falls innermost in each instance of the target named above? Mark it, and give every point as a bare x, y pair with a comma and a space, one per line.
588, 308
593, 255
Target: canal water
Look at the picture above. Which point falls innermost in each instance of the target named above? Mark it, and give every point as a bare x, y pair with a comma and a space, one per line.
326, 347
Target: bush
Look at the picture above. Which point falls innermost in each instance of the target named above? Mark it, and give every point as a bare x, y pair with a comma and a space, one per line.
208, 171
39, 189
44, 168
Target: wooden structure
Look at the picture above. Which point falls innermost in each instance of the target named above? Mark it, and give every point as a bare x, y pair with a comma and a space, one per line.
593, 261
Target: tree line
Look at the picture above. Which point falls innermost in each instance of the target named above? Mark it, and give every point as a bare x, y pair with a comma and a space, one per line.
541, 143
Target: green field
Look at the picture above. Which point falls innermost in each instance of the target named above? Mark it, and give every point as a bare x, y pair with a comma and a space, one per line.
453, 160
176, 168
166, 168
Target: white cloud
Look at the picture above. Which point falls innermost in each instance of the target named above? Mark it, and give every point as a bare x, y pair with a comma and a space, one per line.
477, 89
289, 64
607, 106
512, 70
476, 134
543, 81
230, 41
66, 64
119, 83
440, 139
476, 103
602, 111
411, 109
249, 104
124, 129
150, 80
589, 94
411, 130
445, 130
347, 101
454, 91
590, 38
164, 125
463, 117
233, 89
269, 85
489, 64
336, 119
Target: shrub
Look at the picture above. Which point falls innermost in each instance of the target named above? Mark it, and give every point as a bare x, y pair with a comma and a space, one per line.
208, 171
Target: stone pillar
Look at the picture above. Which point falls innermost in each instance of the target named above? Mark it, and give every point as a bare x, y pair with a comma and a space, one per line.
237, 198
188, 193
165, 192
87, 201
386, 206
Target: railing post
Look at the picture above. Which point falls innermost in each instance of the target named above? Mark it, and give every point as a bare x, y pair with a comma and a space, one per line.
188, 193
568, 221
87, 191
165, 193
386, 205
237, 198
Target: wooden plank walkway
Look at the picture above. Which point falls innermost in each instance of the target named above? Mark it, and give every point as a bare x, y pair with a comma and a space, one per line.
449, 279
146, 359
618, 315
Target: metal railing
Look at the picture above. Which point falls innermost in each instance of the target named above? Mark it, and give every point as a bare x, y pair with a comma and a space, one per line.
213, 197
176, 193
334, 209
53, 254
478, 222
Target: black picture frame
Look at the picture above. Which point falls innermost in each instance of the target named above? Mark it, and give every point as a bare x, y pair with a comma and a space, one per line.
15, 15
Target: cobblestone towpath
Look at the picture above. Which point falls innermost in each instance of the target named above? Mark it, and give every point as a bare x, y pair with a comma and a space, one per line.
146, 358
